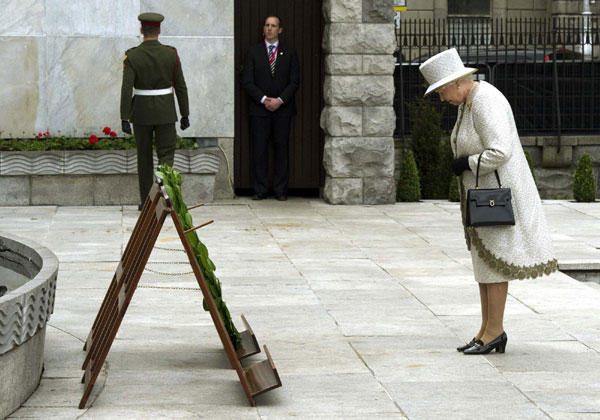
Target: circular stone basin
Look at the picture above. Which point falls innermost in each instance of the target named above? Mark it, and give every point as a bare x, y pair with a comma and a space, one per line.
11, 280
29, 272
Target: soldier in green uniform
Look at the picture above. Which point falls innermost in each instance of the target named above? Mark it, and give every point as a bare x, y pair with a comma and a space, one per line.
151, 76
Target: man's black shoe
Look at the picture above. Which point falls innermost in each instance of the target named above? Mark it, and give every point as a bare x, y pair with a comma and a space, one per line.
140, 207
3, 290
281, 197
259, 197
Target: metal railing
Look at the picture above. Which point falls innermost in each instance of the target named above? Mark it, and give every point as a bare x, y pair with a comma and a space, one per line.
548, 69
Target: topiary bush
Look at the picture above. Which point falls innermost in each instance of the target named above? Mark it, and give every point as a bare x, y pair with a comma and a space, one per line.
453, 191
426, 124
584, 184
530, 163
409, 187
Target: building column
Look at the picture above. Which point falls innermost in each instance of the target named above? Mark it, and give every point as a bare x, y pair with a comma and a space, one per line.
499, 9
440, 9
358, 118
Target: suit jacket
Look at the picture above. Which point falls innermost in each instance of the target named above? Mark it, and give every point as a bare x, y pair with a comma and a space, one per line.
257, 80
152, 65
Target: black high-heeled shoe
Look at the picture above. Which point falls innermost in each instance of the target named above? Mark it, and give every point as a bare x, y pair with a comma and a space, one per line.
469, 344
498, 344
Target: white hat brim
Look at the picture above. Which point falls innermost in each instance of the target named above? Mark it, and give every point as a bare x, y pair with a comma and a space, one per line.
464, 72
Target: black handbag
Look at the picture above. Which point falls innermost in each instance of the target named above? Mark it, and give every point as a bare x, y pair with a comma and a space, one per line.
489, 207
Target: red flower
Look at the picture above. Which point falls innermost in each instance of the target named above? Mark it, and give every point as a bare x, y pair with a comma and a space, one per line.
93, 138
113, 134
106, 130
47, 134
39, 135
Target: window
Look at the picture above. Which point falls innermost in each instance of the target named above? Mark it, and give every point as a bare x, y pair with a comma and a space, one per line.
468, 19
469, 7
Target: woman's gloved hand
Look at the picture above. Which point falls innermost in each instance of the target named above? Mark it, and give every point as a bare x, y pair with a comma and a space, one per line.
460, 165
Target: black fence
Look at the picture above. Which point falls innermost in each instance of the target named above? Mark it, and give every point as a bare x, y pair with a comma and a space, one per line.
548, 69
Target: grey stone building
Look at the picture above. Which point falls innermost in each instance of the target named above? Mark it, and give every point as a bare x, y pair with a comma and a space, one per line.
439, 9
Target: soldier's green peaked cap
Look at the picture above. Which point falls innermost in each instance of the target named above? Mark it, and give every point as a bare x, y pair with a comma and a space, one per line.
151, 18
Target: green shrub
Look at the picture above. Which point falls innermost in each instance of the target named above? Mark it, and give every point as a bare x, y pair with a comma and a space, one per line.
409, 188
426, 126
530, 163
584, 185
77, 143
454, 192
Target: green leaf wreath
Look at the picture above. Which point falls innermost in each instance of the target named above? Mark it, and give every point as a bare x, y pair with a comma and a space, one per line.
172, 182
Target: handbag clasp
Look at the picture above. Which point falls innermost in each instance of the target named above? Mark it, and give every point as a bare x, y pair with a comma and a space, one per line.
492, 203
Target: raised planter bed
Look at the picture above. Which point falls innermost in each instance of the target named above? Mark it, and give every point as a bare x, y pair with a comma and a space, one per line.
96, 177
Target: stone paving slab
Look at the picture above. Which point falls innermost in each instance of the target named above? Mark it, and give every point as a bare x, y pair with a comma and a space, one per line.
361, 306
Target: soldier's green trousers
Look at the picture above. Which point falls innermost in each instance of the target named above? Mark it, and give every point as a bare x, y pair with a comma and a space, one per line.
166, 140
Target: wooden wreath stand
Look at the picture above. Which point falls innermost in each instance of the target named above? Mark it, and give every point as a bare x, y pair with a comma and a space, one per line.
256, 379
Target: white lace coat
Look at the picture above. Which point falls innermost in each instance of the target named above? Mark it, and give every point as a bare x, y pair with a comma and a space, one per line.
486, 125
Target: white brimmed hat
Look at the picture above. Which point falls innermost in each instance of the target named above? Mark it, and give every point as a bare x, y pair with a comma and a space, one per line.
444, 68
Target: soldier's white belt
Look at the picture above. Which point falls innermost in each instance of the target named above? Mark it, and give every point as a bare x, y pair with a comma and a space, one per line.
152, 92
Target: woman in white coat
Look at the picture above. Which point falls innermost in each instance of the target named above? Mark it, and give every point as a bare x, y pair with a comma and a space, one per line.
485, 126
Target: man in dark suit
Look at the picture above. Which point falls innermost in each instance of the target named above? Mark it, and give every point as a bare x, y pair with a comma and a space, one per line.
271, 77
152, 72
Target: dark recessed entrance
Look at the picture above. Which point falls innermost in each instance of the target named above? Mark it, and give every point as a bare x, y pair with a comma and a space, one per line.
303, 29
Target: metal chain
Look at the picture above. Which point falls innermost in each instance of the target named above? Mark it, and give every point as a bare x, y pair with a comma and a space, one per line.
169, 249
170, 288
162, 273
168, 262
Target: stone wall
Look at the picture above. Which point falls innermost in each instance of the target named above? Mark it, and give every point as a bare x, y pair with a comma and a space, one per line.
425, 9
522, 9
554, 168
358, 118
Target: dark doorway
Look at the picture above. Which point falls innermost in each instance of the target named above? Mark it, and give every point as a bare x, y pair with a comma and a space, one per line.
302, 23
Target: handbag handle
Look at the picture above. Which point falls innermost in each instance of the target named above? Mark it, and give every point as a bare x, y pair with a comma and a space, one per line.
477, 175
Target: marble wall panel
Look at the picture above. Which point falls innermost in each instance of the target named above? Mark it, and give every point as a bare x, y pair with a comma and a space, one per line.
84, 86
193, 17
208, 67
67, 71
92, 17
22, 91
84, 83
24, 17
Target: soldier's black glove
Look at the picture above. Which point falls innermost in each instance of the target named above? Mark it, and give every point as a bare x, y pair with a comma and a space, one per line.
125, 126
185, 123
460, 165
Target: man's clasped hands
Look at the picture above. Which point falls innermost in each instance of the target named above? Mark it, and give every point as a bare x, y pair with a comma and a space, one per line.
272, 104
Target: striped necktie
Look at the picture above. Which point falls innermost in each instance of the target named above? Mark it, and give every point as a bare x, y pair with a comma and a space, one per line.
272, 59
